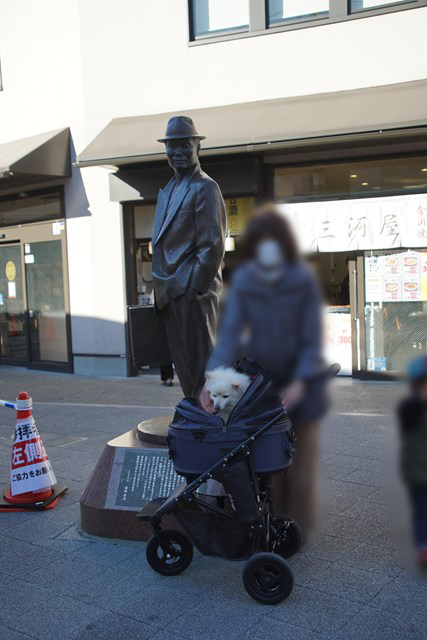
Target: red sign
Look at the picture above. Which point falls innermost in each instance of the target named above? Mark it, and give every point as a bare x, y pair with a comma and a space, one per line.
31, 469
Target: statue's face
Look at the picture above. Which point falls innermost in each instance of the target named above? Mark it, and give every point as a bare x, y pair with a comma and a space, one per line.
182, 154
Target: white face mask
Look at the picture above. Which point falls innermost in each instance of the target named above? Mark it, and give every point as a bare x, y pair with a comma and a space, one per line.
270, 260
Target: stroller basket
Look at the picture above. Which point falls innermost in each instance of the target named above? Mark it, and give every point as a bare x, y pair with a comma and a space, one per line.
214, 535
197, 440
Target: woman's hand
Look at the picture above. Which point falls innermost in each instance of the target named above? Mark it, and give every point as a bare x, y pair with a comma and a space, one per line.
206, 401
292, 394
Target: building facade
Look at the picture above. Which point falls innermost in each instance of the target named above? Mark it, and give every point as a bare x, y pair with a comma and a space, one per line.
319, 104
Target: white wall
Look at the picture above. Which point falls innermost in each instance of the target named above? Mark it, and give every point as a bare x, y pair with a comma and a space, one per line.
41, 68
80, 63
43, 90
141, 62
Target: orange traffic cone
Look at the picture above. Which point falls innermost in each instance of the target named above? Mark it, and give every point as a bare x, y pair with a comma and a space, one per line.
32, 480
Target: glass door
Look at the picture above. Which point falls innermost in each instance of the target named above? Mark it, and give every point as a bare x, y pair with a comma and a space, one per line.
34, 309
13, 330
46, 304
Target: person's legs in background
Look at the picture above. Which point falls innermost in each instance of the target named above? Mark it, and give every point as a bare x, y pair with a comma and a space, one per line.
418, 497
166, 374
296, 489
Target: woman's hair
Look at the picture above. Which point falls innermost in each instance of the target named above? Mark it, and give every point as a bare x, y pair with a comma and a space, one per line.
268, 224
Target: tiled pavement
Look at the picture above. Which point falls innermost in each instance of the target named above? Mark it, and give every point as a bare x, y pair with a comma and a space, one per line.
352, 579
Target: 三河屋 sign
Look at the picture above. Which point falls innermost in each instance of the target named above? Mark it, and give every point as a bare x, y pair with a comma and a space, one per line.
366, 223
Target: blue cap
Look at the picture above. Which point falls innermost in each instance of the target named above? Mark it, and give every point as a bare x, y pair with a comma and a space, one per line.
417, 368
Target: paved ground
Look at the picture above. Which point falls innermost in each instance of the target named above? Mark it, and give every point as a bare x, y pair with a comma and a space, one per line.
352, 579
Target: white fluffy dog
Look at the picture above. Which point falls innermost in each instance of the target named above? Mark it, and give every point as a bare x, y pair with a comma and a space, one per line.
226, 386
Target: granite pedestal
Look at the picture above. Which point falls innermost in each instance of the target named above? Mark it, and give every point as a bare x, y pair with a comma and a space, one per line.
130, 472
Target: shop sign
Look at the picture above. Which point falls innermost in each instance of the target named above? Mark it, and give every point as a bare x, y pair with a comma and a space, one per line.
377, 364
363, 224
10, 270
239, 211
338, 338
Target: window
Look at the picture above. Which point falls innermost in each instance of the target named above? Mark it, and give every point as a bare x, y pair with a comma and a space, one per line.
357, 5
211, 17
347, 179
43, 206
280, 11
394, 309
217, 20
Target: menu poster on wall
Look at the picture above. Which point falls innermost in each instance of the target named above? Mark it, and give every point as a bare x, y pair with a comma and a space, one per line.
411, 263
11, 290
392, 291
397, 277
411, 289
373, 288
374, 265
392, 264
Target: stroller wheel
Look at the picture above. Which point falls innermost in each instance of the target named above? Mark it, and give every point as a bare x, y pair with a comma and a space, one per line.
268, 578
286, 535
174, 562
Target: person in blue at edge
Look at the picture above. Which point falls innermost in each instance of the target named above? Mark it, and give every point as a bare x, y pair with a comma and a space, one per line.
412, 413
273, 320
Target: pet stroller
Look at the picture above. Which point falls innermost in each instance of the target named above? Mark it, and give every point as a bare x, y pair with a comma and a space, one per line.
244, 454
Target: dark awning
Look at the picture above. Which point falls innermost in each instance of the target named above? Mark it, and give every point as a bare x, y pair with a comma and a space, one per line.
38, 158
268, 124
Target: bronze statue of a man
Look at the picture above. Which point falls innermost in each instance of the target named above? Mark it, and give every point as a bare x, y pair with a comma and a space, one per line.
188, 247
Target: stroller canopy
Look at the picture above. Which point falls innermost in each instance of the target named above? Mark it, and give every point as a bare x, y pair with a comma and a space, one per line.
197, 439
258, 405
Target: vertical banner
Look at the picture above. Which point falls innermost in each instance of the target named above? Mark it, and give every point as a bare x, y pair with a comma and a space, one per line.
423, 275
338, 338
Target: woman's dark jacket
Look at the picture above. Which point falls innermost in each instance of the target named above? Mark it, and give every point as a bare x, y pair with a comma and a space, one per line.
281, 328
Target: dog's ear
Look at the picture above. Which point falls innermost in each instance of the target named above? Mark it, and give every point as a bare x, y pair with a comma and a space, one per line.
236, 386
208, 375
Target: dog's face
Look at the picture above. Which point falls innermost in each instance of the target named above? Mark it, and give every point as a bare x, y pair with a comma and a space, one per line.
225, 387
223, 397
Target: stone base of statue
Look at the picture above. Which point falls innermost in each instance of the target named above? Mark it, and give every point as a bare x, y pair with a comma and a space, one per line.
154, 430
133, 469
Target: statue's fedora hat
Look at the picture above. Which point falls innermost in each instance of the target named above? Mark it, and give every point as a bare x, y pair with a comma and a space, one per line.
180, 127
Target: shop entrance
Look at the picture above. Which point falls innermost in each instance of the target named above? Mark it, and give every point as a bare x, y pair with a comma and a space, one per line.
34, 313
334, 272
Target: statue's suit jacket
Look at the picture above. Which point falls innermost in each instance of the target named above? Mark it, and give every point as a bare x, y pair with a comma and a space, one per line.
188, 237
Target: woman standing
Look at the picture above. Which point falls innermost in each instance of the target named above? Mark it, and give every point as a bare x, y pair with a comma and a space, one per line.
273, 320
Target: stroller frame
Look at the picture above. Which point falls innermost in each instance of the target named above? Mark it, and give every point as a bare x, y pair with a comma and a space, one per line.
274, 537
267, 576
